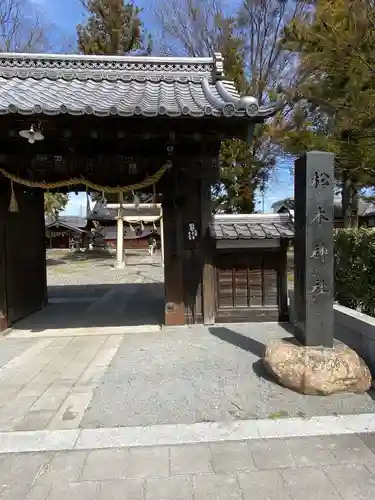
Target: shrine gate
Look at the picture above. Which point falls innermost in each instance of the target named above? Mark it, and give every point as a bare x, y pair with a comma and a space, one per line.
120, 123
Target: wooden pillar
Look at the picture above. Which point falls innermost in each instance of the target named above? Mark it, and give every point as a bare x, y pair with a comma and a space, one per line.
209, 176
173, 247
25, 255
189, 271
209, 295
283, 281
120, 262
173, 276
4, 202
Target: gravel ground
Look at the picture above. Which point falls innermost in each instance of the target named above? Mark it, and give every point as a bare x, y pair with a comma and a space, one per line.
202, 374
178, 375
71, 268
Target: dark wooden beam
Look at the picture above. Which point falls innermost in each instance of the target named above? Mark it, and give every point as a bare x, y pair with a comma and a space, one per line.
4, 202
283, 281
66, 127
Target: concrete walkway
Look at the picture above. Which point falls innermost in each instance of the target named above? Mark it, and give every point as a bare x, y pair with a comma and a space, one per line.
329, 468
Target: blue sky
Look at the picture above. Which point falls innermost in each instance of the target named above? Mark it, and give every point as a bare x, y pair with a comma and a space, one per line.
66, 14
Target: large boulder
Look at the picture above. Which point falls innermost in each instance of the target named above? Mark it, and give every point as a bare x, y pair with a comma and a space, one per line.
317, 370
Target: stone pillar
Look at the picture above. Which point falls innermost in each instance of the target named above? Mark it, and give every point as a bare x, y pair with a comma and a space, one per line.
120, 262
313, 248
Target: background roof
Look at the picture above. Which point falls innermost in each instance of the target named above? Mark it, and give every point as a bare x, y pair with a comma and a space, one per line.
364, 207
72, 220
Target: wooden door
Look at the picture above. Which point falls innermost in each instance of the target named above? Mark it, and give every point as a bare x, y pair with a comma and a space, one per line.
247, 286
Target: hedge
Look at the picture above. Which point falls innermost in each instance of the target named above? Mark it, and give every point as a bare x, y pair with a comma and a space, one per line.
355, 269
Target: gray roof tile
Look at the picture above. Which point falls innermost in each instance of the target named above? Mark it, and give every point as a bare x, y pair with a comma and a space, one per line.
100, 212
126, 86
251, 226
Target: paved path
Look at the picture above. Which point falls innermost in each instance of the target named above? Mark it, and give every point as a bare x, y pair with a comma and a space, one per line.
320, 468
51, 383
87, 296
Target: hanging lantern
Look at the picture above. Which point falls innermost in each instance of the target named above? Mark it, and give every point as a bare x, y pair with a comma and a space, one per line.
33, 134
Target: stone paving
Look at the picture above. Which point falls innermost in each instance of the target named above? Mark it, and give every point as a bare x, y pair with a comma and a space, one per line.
50, 384
315, 468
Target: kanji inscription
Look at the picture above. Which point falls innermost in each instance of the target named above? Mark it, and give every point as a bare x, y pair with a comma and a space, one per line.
320, 179
313, 248
320, 287
320, 252
320, 216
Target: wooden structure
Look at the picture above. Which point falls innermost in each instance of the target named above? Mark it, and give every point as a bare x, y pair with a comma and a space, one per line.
114, 121
61, 231
250, 267
140, 222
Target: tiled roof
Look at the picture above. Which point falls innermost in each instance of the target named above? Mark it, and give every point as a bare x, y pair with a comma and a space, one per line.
252, 226
71, 220
118, 85
100, 212
67, 225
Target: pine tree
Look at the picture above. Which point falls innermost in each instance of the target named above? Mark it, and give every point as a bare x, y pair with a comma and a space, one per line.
335, 103
113, 27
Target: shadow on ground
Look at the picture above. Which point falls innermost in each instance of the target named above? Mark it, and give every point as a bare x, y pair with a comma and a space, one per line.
80, 306
251, 345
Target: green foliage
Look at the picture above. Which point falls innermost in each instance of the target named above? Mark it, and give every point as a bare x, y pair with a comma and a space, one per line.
54, 203
241, 173
334, 101
355, 269
113, 27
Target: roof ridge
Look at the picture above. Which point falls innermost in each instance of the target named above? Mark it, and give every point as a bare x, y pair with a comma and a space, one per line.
104, 67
